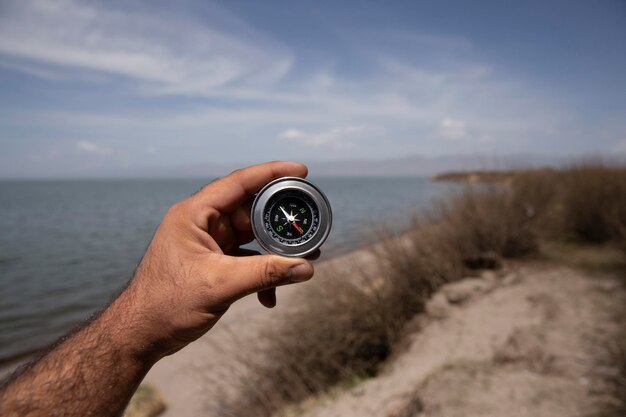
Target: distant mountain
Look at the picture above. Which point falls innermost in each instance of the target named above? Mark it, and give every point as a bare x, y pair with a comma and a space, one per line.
414, 165
417, 165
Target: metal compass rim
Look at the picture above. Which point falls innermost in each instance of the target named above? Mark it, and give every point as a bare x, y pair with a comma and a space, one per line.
260, 205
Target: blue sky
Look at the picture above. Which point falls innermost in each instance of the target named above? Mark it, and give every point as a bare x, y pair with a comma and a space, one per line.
91, 88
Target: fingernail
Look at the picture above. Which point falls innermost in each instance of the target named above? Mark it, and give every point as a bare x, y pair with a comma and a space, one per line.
301, 272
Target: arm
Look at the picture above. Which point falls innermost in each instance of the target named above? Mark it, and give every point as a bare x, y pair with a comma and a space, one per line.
186, 281
94, 371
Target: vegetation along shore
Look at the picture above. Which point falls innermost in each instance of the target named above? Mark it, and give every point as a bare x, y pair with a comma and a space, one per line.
517, 287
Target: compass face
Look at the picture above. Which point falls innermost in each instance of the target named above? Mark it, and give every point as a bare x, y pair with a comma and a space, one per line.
291, 217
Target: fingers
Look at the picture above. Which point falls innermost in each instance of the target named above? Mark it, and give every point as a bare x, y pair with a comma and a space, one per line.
244, 237
228, 193
240, 218
267, 297
241, 276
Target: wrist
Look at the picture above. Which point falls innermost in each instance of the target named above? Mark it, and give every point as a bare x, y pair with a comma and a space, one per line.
130, 332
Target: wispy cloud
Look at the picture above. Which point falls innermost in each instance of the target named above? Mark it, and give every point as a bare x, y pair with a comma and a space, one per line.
292, 134
170, 53
340, 137
86, 146
210, 84
451, 129
32, 69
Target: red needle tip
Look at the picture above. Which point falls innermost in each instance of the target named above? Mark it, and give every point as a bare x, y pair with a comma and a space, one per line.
297, 227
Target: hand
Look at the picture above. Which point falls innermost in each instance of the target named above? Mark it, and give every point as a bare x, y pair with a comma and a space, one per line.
191, 273
185, 282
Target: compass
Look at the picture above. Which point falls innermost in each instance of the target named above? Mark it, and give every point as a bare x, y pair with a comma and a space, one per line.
291, 217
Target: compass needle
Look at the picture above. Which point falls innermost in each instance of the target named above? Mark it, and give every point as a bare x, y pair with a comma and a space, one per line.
284, 212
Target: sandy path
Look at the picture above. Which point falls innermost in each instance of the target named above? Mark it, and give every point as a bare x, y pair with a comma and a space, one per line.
525, 345
181, 377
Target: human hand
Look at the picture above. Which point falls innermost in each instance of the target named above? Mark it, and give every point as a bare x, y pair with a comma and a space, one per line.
192, 271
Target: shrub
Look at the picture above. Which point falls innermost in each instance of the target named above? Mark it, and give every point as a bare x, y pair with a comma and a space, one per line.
488, 221
536, 192
593, 201
584, 202
343, 327
622, 237
347, 322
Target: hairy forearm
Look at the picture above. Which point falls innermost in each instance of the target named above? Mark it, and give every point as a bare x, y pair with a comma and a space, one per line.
186, 281
92, 372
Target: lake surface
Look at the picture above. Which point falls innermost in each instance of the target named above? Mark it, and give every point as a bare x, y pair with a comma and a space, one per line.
66, 247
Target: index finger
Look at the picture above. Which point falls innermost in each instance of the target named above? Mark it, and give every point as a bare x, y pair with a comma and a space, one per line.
228, 193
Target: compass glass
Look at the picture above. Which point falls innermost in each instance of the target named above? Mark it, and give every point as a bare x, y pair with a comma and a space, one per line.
291, 217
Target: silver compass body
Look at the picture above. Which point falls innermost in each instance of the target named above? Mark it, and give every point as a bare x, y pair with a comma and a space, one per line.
291, 217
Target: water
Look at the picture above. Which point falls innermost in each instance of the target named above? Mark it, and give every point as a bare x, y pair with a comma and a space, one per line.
66, 247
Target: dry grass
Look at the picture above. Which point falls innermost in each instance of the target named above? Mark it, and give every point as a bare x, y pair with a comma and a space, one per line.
605, 259
585, 202
492, 220
595, 202
344, 327
342, 330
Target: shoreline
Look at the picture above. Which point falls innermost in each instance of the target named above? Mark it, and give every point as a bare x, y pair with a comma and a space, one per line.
83, 266
20, 357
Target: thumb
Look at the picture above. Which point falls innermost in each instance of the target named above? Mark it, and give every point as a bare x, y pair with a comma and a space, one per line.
249, 274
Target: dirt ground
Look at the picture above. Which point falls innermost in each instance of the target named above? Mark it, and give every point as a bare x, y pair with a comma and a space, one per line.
531, 340
528, 343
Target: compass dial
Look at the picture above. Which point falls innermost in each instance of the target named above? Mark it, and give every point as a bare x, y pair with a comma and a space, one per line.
291, 217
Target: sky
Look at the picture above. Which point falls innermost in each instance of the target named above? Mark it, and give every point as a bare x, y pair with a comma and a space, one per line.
107, 87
